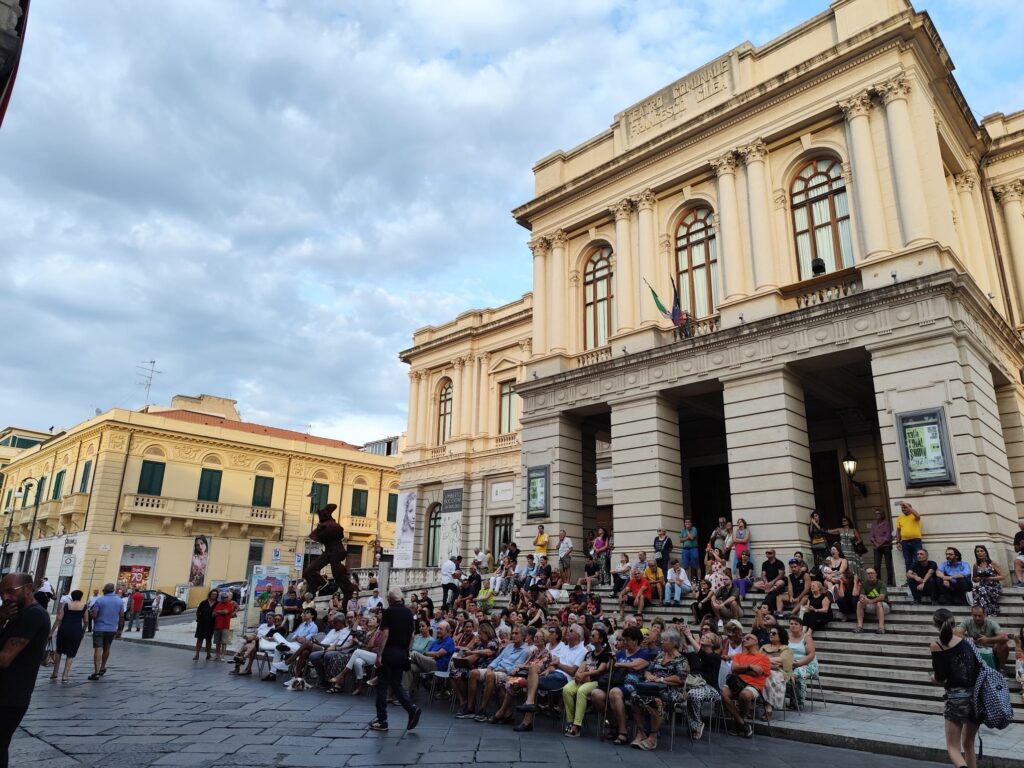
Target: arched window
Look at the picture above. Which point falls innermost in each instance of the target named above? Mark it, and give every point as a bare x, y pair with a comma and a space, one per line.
597, 298
444, 413
697, 262
433, 534
821, 216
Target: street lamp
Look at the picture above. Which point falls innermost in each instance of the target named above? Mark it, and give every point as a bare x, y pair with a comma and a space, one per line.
35, 514
850, 467
22, 489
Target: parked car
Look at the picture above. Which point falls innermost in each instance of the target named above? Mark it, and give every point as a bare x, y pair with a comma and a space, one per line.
238, 590
172, 605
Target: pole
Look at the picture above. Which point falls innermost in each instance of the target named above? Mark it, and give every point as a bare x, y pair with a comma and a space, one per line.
91, 574
7, 534
32, 530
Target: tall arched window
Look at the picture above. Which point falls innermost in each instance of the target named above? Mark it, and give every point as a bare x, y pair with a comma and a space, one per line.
697, 262
433, 534
821, 216
597, 298
444, 413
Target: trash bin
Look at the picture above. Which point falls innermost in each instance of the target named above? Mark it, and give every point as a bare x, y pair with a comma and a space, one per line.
149, 626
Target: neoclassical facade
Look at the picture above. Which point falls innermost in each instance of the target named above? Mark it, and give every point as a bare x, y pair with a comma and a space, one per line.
847, 243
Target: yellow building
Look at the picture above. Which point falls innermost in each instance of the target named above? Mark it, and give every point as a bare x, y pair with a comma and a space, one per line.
186, 495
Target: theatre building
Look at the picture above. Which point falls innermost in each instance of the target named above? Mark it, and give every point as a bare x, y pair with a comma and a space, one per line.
848, 245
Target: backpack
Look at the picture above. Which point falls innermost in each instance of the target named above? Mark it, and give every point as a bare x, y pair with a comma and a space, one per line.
991, 696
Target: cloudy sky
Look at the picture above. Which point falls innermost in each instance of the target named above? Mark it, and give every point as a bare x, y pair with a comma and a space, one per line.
267, 198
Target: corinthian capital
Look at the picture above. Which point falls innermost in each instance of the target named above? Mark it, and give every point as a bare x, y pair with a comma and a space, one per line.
559, 239
966, 181
622, 209
857, 106
756, 151
724, 164
1008, 193
894, 88
645, 200
539, 245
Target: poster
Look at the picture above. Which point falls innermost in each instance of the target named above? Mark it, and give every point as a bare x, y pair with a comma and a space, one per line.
450, 539
265, 582
537, 491
133, 576
405, 529
925, 450
200, 561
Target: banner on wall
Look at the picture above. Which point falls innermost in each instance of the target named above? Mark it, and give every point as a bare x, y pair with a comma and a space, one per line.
405, 530
450, 538
133, 576
200, 561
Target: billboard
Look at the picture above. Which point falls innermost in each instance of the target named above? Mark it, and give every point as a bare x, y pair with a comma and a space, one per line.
405, 529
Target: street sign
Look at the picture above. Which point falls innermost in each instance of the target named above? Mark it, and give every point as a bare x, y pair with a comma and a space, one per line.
67, 566
277, 555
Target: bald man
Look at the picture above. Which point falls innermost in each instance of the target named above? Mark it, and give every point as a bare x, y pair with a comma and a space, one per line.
24, 627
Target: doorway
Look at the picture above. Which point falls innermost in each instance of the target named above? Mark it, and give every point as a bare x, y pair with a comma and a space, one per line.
828, 488
710, 498
41, 562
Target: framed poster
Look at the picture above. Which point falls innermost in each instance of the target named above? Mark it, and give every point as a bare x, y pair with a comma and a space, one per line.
405, 531
537, 481
924, 448
200, 561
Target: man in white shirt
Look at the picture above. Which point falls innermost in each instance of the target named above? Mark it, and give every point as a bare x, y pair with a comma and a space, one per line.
373, 602
335, 642
677, 584
449, 584
157, 607
564, 554
479, 560
565, 660
46, 588
255, 642
285, 647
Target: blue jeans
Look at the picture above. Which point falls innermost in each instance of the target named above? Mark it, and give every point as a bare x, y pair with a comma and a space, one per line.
910, 550
691, 558
674, 592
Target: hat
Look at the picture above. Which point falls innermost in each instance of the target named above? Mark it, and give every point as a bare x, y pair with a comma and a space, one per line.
793, 561
326, 513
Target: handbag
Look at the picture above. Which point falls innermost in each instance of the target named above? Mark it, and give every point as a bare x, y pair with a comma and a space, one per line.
650, 687
695, 681
735, 684
50, 657
859, 547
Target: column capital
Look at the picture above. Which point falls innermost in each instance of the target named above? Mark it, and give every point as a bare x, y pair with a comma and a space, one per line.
645, 200
526, 345
484, 357
966, 181
558, 239
754, 152
458, 362
1011, 192
858, 105
622, 209
539, 245
724, 164
893, 89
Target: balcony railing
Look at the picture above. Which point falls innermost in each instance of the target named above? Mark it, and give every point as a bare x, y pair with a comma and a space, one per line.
593, 356
506, 441
192, 510
360, 524
439, 451
825, 288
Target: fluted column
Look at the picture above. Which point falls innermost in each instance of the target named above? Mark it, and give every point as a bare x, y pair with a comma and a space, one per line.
423, 420
559, 293
540, 246
471, 386
1009, 197
909, 187
413, 435
458, 396
970, 234
484, 390
762, 268
866, 186
730, 248
625, 287
783, 262
646, 257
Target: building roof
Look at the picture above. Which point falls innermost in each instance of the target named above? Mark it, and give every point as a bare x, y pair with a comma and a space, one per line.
255, 429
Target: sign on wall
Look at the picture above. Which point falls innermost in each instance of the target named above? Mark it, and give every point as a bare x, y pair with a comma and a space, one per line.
537, 482
200, 561
501, 492
450, 538
924, 448
405, 529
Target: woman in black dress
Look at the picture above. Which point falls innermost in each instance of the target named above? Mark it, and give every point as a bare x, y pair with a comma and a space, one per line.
70, 627
956, 667
204, 624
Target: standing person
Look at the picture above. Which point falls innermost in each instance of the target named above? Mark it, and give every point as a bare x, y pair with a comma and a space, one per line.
70, 628
663, 549
849, 539
449, 583
988, 581
540, 542
1018, 548
718, 535
601, 554
88, 614
107, 623
564, 555
819, 539
223, 612
24, 627
691, 550
956, 667
881, 540
908, 533
741, 540
156, 608
396, 630
204, 624
135, 609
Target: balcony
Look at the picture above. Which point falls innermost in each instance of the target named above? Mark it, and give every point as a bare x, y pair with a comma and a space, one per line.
509, 440
72, 512
360, 524
824, 288
594, 356
181, 516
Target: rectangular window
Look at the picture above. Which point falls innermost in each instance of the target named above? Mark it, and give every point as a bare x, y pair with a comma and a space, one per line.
10, 496
507, 408
360, 496
501, 533
392, 507
319, 493
262, 491
40, 491
209, 485
151, 478
83, 486
58, 485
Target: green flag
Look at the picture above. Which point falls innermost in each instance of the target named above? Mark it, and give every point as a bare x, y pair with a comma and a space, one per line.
657, 302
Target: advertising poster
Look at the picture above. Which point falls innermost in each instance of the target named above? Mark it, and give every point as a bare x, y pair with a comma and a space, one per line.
133, 576
537, 491
926, 456
200, 561
405, 529
266, 582
450, 539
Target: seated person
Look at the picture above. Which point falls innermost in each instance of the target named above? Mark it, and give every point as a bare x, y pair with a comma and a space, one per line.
818, 612
744, 575
620, 574
661, 689
986, 633
435, 658
563, 662
636, 594
677, 584
954, 579
577, 692
702, 602
798, 587
656, 578
361, 658
476, 645
745, 684
772, 579
632, 658
705, 660
543, 578
512, 656
254, 643
285, 647
922, 578
338, 641
726, 600
464, 594
530, 573
871, 596
589, 574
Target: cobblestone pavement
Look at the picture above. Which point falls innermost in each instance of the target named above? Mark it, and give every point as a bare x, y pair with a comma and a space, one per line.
157, 707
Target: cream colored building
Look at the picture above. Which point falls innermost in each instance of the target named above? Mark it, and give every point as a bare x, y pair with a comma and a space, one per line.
132, 494
849, 241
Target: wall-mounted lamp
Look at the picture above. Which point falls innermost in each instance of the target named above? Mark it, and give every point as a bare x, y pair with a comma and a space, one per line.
850, 468
893, 276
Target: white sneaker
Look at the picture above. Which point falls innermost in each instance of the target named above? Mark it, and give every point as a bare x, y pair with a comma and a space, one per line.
698, 732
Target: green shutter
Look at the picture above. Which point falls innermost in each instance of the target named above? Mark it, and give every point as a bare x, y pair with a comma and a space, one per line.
392, 507
151, 478
209, 485
359, 499
86, 471
262, 491
10, 495
320, 493
58, 485
40, 491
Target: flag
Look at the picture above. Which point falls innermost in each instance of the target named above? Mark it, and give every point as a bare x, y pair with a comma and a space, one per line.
677, 310
657, 302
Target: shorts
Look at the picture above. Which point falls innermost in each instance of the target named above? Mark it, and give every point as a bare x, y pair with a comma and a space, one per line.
1020, 557
564, 562
959, 707
556, 681
102, 639
691, 557
222, 635
500, 677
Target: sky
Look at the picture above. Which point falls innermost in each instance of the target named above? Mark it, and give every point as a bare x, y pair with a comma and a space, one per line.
268, 198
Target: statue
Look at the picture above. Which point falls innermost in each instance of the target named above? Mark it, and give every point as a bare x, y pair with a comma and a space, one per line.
329, 533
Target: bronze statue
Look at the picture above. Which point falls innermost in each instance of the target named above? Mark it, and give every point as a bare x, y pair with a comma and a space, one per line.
329, 533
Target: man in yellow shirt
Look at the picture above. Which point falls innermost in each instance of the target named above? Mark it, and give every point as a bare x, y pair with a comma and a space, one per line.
908, 533
540, 542
656, 577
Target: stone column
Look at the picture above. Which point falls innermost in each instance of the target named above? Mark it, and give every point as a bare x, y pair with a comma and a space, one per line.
423, 419
1011, 417
458, 395
554, 441
483, 422
785, 267
540, 246
1009, 197
625, 287
730, 244
415, 436
472, 386
559, 293
761, 247
973, 255
646, 256
648, 490
769, 458
909, 187
866, 187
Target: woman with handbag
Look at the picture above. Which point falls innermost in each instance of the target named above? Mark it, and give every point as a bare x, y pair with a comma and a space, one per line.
578, 691
852, 544
819, 538
705, 660
781, 657
956, 666
660, 691
70, 628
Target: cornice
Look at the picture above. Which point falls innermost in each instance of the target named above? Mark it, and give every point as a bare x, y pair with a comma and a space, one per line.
465, 333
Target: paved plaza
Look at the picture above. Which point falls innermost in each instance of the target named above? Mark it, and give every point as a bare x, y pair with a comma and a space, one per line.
156, 707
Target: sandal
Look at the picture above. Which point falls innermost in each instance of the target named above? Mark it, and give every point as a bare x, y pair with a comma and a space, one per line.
621, 740
573, 732
335, 688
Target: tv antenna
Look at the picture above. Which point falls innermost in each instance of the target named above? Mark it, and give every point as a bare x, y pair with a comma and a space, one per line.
147, 370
